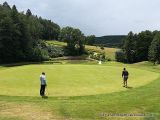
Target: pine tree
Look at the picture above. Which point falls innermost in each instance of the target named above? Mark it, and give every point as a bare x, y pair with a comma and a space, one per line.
29, 13
154, 49
143, 42
5, 4
6, 42
129, 48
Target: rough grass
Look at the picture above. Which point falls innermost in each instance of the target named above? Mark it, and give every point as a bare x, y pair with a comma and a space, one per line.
142, 100
24, 111
109, 52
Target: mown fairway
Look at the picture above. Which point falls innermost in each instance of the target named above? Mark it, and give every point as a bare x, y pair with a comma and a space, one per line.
79, 92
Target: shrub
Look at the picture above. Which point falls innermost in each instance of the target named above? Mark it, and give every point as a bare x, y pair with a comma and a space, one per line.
120, 56
54, 51
36, 55
98, 56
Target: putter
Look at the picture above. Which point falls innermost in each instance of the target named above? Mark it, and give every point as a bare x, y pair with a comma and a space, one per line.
47, 91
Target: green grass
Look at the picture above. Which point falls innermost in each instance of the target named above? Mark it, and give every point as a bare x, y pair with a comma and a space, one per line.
57, 43
77, 80
80, 92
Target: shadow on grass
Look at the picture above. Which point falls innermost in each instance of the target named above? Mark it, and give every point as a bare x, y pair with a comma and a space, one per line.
19, 64
129, 87
45, 97
20, 98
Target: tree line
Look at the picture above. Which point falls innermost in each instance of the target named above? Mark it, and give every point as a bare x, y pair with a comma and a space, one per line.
110, 41
21, 36
139, 47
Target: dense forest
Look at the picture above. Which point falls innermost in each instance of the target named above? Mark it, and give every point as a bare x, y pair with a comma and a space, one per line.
20, 34
139, 47
110, 41
22, 37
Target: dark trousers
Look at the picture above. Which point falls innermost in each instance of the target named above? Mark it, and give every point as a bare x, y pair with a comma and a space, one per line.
42, 90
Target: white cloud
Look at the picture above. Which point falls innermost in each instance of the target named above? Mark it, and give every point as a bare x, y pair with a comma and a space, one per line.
99, 17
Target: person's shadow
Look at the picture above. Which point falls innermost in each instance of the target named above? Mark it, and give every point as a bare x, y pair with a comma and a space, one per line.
129, 87
45, 97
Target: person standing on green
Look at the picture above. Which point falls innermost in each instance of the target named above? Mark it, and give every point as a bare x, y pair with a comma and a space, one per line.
125, 75
43, 84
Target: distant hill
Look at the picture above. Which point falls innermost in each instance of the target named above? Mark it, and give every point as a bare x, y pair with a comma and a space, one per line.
110, 41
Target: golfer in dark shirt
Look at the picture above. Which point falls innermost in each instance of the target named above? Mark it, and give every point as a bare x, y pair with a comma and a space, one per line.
125, 75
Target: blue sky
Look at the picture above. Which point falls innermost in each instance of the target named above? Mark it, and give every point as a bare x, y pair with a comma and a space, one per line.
98, 17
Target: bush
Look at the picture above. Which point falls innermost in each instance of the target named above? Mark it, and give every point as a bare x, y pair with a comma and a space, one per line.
36, 55
98, 56
50, 51
120, 56
102, 47
54, 51
45, 55
109, 59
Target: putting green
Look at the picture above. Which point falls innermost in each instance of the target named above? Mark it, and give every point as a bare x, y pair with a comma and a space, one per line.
70, 80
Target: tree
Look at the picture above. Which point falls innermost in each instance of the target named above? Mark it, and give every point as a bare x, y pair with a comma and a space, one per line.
75, 40
120, 56
143, 42
15, 40
154, 49
14, 9
6, 42
90, 40
50, 30
35, 28
5, 4
29, 13
128, 47
136, 46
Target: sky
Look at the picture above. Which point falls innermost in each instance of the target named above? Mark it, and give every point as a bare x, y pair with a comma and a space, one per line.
98, 17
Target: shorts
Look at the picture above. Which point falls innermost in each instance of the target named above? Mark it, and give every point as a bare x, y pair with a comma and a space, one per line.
125, 78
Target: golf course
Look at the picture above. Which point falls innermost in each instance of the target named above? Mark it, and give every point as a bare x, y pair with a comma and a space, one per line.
79, 60
80, 92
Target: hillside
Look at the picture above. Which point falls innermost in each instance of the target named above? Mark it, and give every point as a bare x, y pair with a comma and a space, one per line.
109, 52
110, 41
